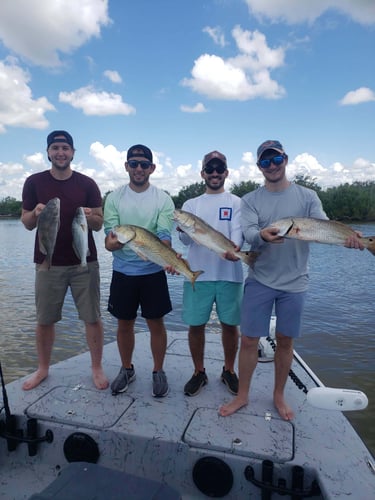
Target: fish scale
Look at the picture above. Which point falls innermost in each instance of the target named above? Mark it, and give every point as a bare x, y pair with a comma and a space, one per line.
149, 247
48, 226
204, 234
320, 231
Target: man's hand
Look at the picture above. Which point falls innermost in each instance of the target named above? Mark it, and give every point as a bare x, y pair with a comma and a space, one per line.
271, 235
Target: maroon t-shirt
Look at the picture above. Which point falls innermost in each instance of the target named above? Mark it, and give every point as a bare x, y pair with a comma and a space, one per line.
77, 191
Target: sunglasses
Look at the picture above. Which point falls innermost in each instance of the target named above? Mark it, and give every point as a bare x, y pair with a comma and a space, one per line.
276, 160
210, 169
144, 164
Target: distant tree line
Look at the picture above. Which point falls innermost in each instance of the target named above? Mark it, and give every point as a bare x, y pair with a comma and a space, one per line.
10, 207
351, 202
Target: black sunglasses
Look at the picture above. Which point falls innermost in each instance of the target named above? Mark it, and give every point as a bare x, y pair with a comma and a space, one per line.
220, 169
144, 164
276, 160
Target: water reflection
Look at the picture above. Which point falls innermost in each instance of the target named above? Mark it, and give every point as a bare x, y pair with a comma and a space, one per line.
337, 341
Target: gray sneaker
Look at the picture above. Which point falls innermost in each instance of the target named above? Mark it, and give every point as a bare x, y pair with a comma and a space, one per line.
122, 381
159, 384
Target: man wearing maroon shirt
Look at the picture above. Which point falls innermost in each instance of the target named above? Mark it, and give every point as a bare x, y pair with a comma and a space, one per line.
73, 190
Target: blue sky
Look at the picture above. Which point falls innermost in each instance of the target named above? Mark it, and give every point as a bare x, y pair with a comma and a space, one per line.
185, 78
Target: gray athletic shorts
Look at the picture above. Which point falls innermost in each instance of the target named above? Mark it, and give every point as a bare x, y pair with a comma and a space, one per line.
51, 287
257, 307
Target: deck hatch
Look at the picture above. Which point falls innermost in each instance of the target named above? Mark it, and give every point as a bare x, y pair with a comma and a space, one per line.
79, 406
255, 436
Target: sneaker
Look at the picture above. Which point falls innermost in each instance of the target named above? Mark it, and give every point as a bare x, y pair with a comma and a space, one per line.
159, 384
230, 380
122, 381
195, 384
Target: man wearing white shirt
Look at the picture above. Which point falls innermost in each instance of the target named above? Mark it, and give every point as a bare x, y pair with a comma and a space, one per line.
222, 281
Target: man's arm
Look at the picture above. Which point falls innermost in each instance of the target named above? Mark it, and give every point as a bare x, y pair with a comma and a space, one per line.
29, 218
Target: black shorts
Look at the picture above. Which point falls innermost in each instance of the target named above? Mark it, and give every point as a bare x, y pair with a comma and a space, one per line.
150, 291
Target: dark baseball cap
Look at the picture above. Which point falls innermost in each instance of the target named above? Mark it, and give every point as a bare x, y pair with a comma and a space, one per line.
270, 144
55, 136
214, 155
139, 150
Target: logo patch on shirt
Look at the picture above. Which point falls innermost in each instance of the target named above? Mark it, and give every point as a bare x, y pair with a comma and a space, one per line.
225, 213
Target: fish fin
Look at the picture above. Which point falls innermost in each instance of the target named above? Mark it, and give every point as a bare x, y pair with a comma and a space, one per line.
122, 238
252, 258
76, 250
42, 248
195, 276
140, 254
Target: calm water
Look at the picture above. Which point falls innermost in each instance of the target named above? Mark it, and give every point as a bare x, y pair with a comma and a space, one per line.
337, 339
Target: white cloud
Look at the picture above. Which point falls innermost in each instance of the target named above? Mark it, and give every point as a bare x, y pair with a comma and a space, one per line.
358, 96
114, 76
109, 171
198, 108
92, 102
245, 76
18, 107
216, 34
299, 11
50, 28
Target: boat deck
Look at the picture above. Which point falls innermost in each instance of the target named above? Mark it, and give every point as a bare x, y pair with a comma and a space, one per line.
182, 441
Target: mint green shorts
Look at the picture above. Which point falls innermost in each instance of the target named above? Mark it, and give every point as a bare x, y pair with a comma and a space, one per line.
198, 303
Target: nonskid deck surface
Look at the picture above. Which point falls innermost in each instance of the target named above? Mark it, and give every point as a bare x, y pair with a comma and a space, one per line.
164, 439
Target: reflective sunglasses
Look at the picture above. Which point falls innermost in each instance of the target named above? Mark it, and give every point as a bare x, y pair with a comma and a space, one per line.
276, 160
210, 169
144, 164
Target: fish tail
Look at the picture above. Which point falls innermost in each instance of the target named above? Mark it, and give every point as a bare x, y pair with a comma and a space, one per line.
194, 277
371, 244
46, 264
249, 257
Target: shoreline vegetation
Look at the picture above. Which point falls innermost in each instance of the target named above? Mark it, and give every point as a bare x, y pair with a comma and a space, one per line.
347, 202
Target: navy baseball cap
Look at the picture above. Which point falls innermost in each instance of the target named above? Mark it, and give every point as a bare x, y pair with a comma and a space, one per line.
55, 136
270, 144
139, 150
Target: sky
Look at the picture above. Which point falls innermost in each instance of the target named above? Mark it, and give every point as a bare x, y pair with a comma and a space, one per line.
186, 78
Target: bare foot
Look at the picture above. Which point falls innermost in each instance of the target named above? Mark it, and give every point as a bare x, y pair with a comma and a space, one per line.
35, 379
232, 407
285, 412
100, 380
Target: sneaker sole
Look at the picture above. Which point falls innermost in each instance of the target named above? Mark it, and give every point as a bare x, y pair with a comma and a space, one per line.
160, 395
130, 380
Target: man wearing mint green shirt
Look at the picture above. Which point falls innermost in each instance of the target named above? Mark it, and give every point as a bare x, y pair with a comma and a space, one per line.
136, 282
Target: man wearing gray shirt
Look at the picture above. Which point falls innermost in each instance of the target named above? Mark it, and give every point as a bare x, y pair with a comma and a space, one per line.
279, 277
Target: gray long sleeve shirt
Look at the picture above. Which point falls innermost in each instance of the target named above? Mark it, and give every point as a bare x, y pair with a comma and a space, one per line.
281, 266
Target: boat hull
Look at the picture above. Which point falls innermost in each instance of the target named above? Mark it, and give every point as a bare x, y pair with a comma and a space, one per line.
181, 441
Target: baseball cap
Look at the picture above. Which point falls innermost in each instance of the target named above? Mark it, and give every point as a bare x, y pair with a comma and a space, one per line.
55, 136
270, 144
139, 150
214, 155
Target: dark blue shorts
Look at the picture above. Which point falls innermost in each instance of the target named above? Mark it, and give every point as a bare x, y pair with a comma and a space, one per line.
149, 292
259, 302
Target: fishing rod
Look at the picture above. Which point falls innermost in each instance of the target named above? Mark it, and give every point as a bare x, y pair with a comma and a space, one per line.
8, 414
10, 430
15, 436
